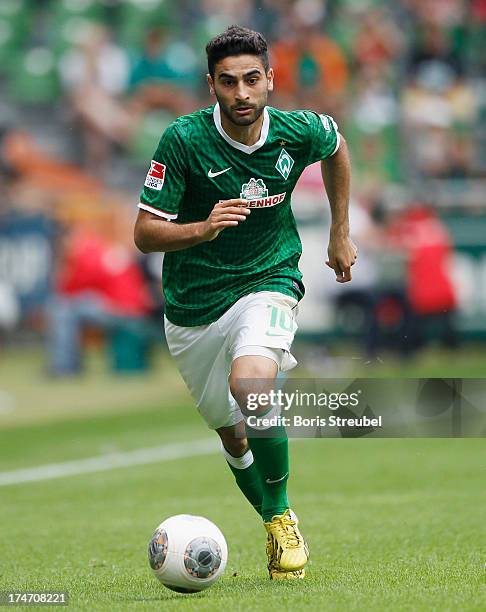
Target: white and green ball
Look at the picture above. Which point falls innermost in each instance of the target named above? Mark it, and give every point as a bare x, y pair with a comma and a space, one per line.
187, 553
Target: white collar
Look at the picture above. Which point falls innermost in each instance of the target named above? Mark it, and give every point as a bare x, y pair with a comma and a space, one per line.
238, 145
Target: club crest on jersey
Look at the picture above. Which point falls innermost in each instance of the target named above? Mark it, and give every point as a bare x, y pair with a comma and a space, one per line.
256, 192
155, 176
284, 164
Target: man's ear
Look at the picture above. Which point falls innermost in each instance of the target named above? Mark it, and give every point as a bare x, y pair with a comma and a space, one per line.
270, 76
210, 84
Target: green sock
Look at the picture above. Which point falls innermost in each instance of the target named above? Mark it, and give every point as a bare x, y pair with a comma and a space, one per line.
272, 460
247, 477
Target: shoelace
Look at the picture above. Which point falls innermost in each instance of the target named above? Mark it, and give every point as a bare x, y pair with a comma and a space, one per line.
286, 527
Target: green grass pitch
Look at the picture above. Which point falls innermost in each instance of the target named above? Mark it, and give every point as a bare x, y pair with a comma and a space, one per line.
392, 524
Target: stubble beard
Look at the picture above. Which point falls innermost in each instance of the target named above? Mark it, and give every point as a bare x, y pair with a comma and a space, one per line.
242, 121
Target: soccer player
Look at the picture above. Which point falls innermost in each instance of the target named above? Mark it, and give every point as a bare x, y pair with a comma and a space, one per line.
216, 200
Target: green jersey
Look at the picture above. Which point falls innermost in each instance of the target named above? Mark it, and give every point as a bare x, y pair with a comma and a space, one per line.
195, 166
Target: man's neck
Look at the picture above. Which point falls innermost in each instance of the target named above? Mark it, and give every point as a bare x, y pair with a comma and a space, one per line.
246, 134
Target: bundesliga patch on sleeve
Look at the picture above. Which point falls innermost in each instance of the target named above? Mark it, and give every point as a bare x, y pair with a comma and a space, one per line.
155, 176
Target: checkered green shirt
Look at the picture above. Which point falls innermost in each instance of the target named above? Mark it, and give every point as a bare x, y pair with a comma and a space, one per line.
196, 165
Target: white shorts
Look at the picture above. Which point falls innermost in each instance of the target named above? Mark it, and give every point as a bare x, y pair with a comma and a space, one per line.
262, 323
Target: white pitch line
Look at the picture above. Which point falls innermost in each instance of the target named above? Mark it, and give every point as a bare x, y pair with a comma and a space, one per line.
111, 461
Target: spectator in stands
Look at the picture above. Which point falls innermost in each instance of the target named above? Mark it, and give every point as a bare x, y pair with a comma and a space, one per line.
378, 40
434, 48
437, 101
403, 79
9, 305
310, 69
371, 123
431, 299
163, 75
95, 75
99, 284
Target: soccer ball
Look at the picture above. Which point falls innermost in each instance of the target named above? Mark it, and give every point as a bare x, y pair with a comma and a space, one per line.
187, 553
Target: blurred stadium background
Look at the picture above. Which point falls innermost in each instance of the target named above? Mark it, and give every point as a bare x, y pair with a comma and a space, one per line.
88, 87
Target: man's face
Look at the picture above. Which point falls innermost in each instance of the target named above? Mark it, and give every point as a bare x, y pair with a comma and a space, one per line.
241, 87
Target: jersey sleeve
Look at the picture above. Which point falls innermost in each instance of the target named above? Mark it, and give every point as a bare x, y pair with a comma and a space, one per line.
165, 182
324, 137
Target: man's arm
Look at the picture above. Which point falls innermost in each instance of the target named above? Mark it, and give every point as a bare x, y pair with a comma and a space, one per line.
154, 234
336, 176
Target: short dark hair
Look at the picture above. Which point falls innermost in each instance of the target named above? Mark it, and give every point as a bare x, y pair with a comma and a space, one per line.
236, 40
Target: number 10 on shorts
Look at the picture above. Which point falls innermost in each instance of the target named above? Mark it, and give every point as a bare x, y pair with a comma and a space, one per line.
281, 322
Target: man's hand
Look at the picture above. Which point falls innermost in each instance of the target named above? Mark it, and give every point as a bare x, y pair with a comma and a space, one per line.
341, 251
153, 234
342, 254
226, 213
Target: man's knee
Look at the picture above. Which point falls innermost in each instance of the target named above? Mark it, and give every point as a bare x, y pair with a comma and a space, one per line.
234, 439
236, 447
251, 374
239, 390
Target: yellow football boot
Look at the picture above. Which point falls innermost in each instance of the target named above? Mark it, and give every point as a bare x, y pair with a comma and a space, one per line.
289, 552
274, 572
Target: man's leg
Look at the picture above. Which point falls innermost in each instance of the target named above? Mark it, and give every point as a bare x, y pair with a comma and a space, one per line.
286, 548
63, 337
202, 359
240, 460
66, 317
204, 356
271, 452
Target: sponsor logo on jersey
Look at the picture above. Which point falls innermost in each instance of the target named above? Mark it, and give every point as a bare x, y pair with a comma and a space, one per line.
256, 192
254, 189
267, 202
284, 164
155, 176
212, 174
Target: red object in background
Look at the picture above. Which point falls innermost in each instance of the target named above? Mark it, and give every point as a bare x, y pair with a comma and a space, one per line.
425, 239
478, 9
389, 312
93, 265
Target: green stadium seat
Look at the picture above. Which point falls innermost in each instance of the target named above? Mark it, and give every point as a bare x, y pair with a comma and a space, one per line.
68, 33
14, 10
138, 15
207, 29
129, 344
87, 9
148, 135
68, 20
8, 43
15, 19
33, 77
